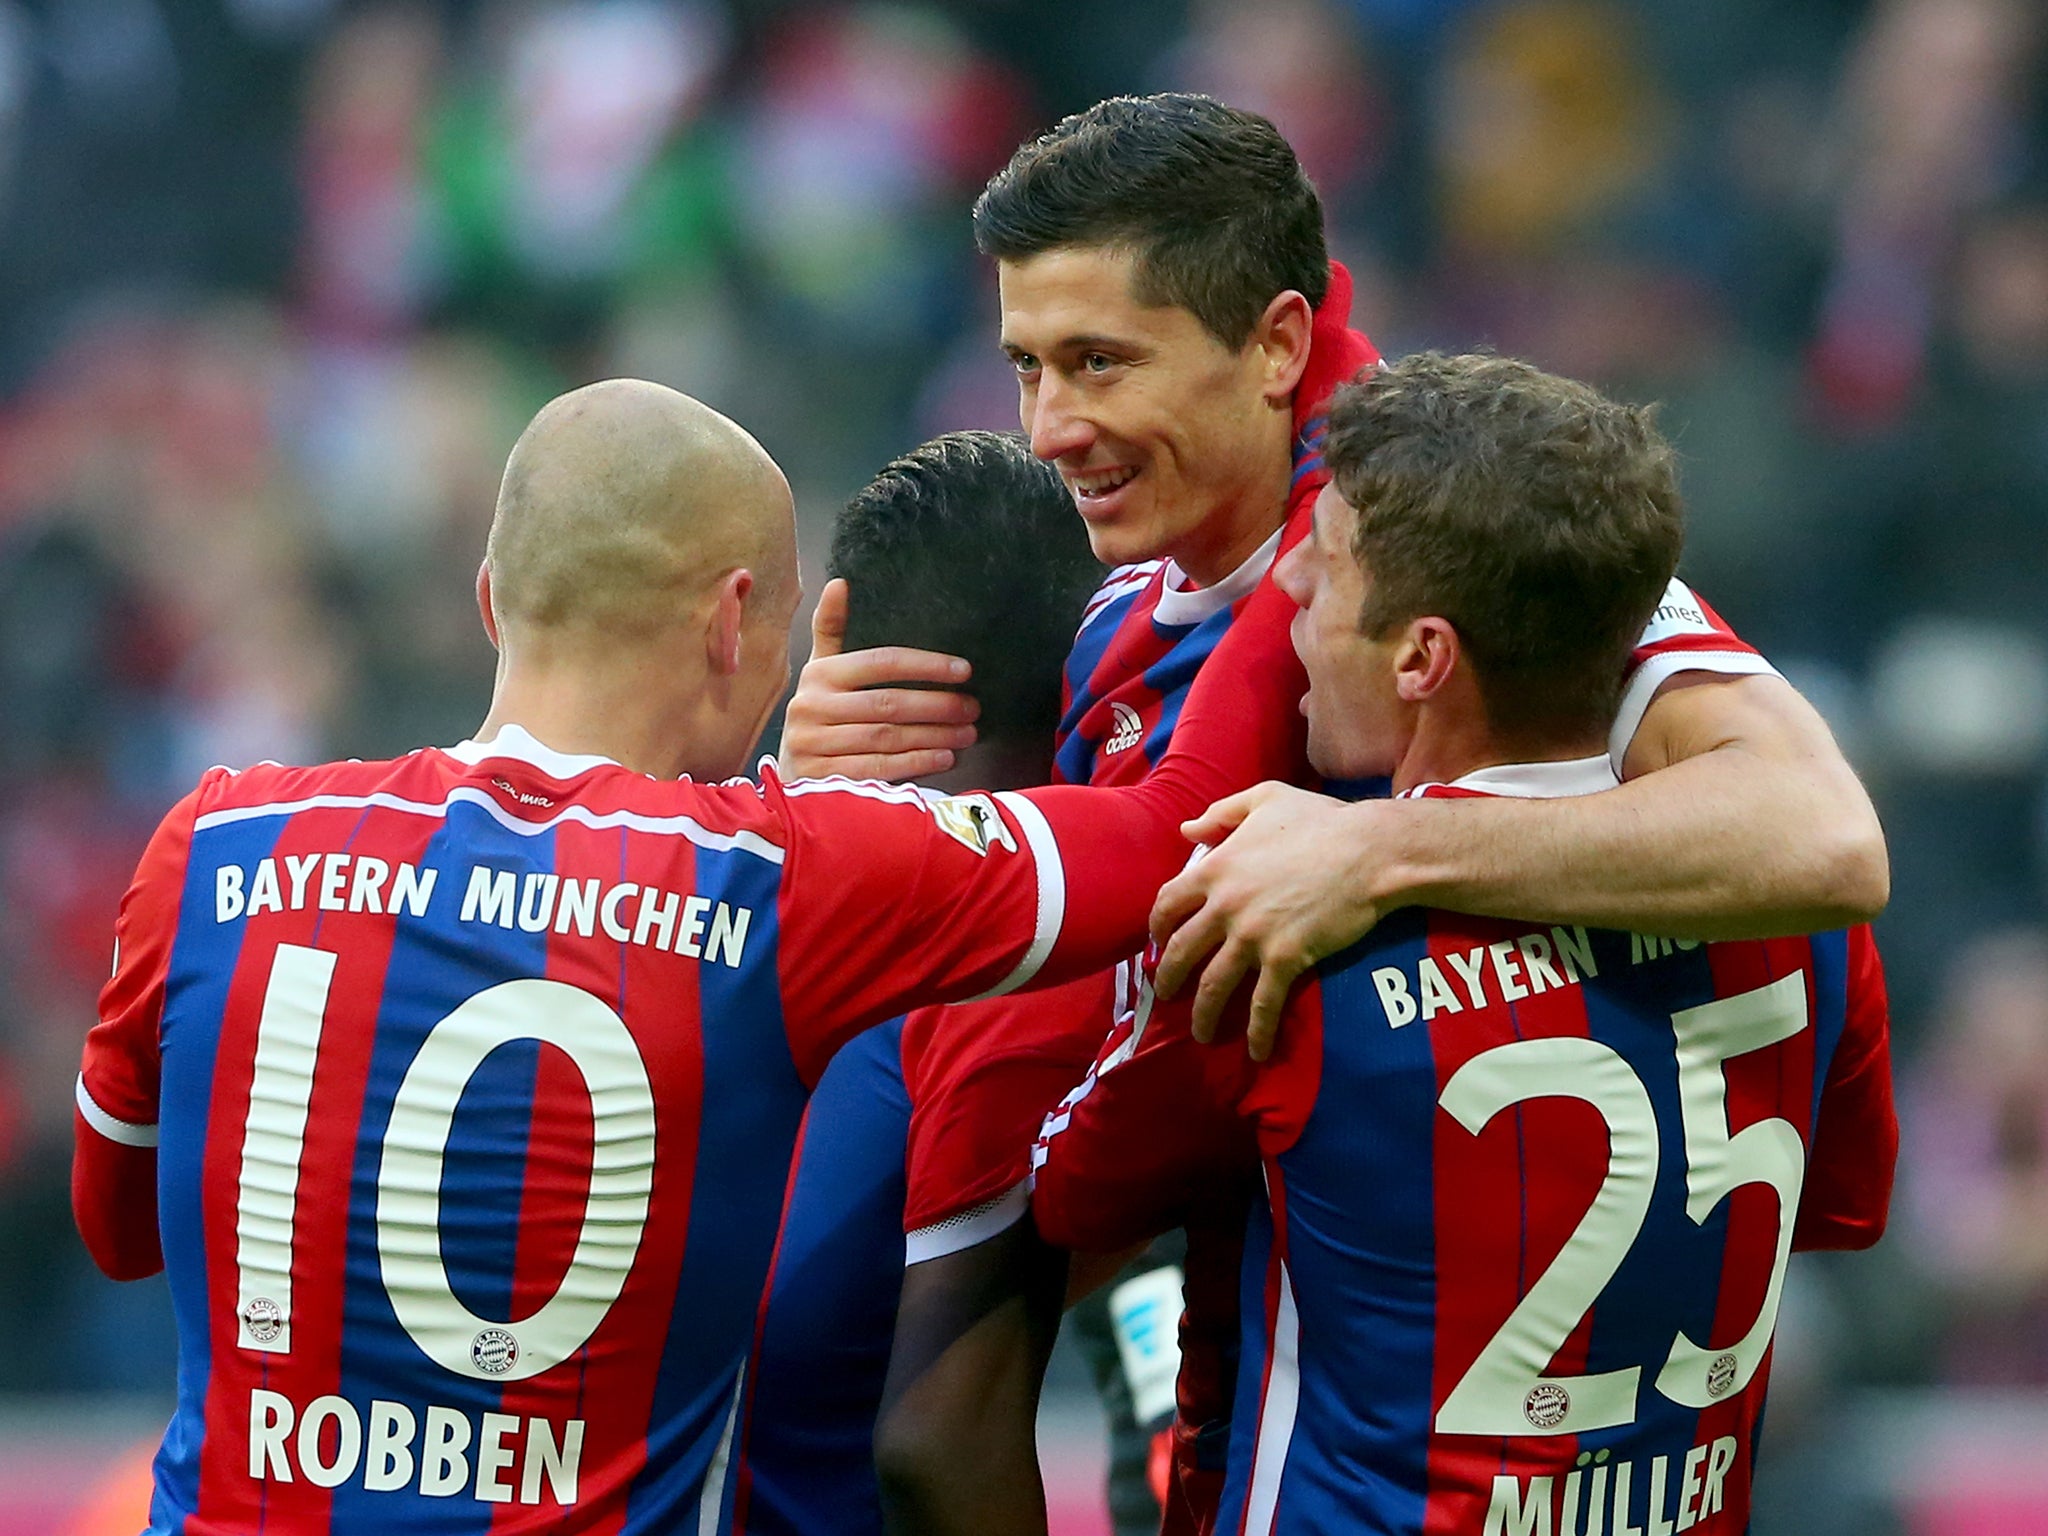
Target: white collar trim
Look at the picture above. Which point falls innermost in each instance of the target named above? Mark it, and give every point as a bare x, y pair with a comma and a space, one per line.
1180, 604
1538, 781
520, 744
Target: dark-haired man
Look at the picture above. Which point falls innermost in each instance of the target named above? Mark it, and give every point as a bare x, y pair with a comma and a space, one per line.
965, 546
1530, 1188
1176, 327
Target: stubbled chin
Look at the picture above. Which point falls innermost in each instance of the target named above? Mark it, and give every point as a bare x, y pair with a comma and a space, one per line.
1119, 544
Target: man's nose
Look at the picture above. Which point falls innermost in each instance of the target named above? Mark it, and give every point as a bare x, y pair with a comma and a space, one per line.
1057, 427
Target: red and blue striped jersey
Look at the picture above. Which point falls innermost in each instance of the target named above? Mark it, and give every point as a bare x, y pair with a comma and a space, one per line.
472, 1079
1530, 1194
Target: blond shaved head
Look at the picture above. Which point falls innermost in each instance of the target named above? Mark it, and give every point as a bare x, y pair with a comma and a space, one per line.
624, 503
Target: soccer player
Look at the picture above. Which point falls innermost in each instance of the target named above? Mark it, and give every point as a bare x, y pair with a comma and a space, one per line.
966, 546
1176, 327
1530, 1187
456, 1093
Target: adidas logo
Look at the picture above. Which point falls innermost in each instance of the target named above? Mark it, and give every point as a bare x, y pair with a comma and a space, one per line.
1129, 729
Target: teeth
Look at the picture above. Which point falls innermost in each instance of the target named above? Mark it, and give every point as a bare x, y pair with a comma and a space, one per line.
1096, 485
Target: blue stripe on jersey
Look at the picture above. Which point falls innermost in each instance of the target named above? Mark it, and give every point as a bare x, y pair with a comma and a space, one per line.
202, 967
1251, 1364
1074, 756
437, 963
1371, 1262
1830, 962
484, 1176
753, 1101
1174, 674
831, 1319
1673, 1268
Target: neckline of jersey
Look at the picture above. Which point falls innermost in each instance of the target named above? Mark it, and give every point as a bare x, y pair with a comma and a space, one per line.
1181, 604
521, 745
1534, 781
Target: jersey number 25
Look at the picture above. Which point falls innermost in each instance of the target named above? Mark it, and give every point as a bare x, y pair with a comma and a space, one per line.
1505, 1392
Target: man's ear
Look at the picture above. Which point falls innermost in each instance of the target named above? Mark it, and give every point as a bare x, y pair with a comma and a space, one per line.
1282, 337
1427, 659
483, 603
728, 620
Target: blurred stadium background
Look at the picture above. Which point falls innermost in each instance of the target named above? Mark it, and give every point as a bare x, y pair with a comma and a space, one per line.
281, 279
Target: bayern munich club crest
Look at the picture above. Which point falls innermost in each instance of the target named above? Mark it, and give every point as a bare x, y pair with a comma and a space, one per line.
262, 1318
1546, 1405
494, 1351
1720, 1375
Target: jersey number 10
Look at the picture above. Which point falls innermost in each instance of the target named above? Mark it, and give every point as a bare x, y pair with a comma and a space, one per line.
415, 1278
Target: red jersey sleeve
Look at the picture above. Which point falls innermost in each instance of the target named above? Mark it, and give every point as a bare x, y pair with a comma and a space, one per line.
1152, 1132
983, 1081
981, 1077
1242, 722
894, 896
1848, 1188
114, 1124
1683, 635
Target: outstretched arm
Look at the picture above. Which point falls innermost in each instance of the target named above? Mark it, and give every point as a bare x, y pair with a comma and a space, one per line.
1740, 819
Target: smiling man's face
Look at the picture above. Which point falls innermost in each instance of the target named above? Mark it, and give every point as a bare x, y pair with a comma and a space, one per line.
1168, 440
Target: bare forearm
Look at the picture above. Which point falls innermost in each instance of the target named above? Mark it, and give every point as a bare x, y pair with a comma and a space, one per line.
955, 1443
1726, 845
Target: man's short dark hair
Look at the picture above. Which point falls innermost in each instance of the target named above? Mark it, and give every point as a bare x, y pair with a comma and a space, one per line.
1541, 518
1211, 201
970, 545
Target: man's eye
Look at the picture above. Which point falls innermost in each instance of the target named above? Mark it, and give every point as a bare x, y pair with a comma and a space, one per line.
1024, 363
1097, 362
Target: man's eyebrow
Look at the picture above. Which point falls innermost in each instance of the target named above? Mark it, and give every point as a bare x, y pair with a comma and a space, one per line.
1086, 342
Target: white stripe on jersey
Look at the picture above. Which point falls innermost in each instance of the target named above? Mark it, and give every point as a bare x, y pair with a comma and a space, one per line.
867, 789
1276, 1414
1052, 892
675, 826
1646, 679
1122, 581
711, 1502
969, 1228
126, 1132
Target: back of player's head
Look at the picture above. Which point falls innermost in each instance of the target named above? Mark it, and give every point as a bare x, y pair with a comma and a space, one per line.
969, 545
1539, 517
621, 502
1211, 201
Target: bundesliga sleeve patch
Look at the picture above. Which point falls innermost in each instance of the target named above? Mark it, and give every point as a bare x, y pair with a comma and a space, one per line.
974, 822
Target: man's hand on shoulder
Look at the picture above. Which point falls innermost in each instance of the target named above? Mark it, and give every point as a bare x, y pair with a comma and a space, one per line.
888, 712
1291, 879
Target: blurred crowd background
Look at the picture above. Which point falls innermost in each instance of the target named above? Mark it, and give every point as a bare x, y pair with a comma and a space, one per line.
281, 279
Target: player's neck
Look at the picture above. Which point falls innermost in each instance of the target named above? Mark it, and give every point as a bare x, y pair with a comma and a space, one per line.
1447, 745
1233, 531
649, 725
